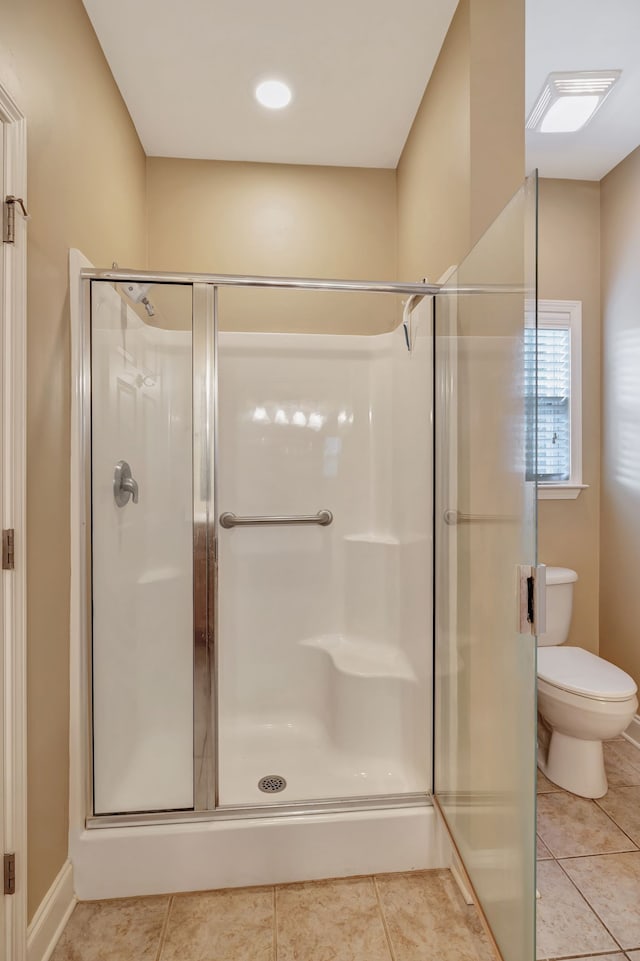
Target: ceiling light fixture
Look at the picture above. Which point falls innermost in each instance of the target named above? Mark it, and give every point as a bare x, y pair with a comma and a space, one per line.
568, 101
273, 94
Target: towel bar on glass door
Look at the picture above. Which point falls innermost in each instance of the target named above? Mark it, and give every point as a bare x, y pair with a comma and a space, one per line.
228, 520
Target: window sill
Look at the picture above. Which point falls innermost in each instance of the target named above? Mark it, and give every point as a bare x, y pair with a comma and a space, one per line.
560, 492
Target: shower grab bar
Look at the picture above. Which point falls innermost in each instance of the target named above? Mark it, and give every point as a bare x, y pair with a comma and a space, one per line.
229, 520
453, 517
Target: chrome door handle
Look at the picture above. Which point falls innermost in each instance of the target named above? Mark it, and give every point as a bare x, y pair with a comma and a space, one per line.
124, 486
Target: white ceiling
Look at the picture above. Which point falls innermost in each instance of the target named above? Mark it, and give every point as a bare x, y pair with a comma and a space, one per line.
585, 35
358, 68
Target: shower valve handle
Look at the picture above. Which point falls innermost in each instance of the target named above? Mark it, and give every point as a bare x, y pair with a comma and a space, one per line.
124, 486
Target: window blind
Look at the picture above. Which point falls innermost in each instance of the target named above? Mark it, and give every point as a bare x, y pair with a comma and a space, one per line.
553, 371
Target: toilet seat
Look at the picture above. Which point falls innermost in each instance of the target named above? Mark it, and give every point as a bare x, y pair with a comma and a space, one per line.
577, 671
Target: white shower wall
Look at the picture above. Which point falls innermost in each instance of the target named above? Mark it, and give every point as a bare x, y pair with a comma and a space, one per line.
324, 640
142, 562
324, 634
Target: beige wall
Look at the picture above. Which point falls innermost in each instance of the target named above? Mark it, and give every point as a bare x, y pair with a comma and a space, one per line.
497, 165
569, 269
305, 221
434, 184
620, 505
86, 189
464, 156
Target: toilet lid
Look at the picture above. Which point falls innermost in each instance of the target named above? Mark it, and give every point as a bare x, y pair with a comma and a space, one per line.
580, 672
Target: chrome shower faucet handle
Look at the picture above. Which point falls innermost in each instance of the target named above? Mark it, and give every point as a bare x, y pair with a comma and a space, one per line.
124, 486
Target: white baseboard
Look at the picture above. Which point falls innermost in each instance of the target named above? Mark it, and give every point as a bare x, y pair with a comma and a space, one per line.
633, 731
52, 915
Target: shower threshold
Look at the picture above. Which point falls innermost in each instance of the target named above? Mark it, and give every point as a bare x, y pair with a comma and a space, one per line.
156, 853
303, 808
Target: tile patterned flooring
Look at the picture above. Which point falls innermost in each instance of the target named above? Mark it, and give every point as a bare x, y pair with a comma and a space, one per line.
589, 865
392, 917
588, 877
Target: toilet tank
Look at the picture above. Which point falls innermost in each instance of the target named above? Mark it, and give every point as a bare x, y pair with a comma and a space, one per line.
560, 581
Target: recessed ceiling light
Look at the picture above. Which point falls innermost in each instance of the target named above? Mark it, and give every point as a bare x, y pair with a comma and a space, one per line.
273, 94
568, 101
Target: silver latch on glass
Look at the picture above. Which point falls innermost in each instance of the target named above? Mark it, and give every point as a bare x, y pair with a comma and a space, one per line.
124, 486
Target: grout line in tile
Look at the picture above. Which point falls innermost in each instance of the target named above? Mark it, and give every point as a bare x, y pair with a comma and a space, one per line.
631, 850
165, 927
613, 820
590, 954
558, 861
588, 903
387, 933
578, 857
635, 763
275, 923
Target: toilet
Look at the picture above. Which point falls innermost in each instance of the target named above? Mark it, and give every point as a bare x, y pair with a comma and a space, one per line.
583, 700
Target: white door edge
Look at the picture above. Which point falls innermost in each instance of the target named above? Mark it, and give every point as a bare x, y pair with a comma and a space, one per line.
13, 321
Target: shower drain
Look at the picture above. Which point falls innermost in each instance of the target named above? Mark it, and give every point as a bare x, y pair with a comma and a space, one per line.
272, 784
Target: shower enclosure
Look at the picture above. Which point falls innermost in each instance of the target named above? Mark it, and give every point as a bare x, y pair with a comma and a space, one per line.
261, 622
269, 502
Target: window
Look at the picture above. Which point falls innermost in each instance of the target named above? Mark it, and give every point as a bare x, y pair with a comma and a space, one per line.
559, 362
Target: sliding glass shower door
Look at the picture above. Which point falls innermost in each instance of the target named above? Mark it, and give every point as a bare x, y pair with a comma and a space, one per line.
324, 534
261, 547
485, 530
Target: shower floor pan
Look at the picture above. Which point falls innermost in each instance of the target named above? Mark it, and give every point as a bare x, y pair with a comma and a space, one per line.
300, 752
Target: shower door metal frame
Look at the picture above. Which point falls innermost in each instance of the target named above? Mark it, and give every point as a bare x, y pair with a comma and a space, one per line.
85, 403
205, 541
119, 276
205, 534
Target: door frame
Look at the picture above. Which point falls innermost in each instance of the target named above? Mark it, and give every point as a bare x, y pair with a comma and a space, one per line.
13, 321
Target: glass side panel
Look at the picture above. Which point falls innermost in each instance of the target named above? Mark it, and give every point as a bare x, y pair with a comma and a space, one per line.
324, 634
485, 527
142, 550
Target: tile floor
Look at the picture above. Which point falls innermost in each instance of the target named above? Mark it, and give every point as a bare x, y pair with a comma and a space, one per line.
588, 877
392, 917
589, 865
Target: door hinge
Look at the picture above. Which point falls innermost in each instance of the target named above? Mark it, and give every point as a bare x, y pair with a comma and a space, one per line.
532, 608
8, 550
9, 217
531, 611
9, 874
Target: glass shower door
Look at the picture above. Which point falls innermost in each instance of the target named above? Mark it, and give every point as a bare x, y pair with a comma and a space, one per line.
324, 533
142, 547
485, 529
